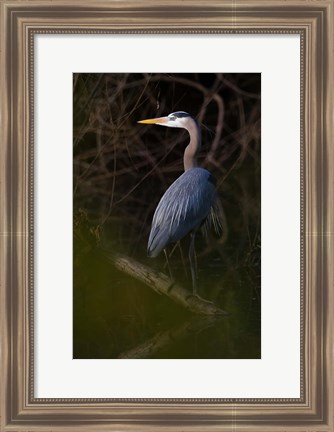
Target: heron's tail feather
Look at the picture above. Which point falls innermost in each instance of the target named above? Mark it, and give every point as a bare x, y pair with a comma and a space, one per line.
215, 220
159, 238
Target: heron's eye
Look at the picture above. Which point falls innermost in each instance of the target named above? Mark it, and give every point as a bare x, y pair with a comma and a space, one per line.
172, 118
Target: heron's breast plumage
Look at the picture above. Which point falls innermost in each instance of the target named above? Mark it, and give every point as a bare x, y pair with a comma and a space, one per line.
182, 208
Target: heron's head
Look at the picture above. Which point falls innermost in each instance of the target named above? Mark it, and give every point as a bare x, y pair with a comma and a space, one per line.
178, 119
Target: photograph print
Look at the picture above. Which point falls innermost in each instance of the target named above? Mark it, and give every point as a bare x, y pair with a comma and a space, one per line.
167, 215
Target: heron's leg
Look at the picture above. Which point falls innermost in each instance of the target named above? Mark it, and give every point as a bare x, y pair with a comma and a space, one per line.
193, 262
168, 265
167, 257
183, 259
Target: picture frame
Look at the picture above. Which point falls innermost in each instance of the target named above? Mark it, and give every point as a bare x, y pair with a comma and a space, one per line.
21, 21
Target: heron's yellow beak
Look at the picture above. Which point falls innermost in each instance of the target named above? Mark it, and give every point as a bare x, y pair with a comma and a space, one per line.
158, 120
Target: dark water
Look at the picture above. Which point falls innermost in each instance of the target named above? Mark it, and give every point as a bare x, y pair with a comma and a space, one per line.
117, 316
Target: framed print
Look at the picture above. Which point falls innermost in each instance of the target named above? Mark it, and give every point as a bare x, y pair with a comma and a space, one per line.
175, 277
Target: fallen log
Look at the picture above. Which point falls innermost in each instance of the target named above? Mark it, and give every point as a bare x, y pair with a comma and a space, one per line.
162, 284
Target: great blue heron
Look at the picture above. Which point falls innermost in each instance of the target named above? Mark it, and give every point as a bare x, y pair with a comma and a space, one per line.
189, 202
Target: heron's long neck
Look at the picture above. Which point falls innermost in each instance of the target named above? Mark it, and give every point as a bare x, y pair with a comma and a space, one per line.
194, 146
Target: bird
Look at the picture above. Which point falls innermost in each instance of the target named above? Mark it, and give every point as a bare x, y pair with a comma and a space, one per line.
190, 202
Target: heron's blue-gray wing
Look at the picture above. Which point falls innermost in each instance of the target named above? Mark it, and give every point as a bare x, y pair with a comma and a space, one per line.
182, 209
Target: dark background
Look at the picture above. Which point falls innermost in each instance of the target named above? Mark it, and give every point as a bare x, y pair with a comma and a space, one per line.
121, 170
